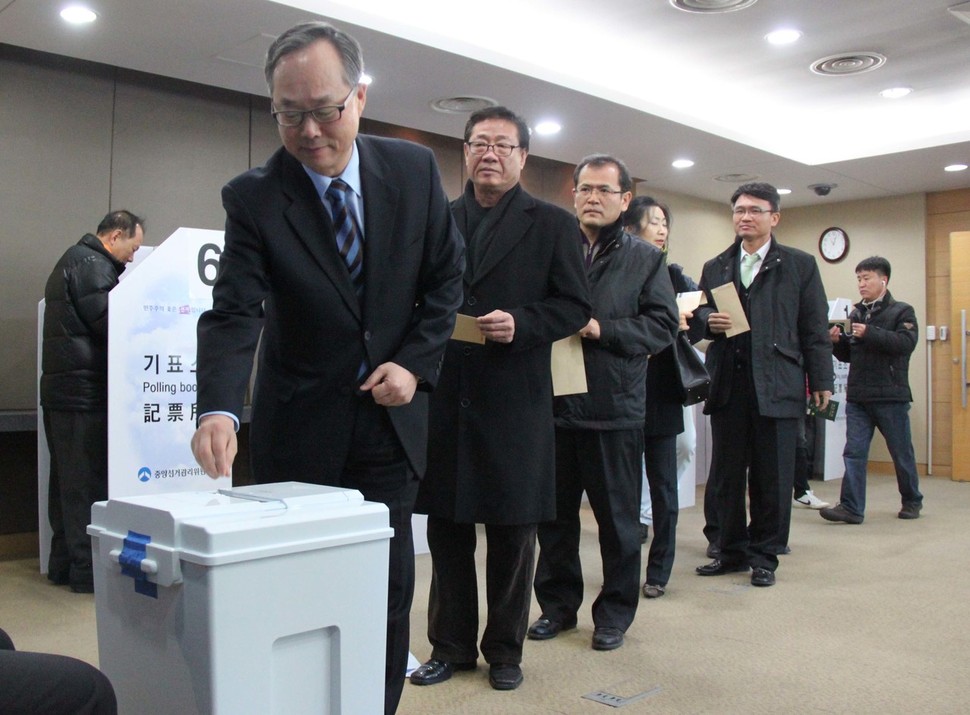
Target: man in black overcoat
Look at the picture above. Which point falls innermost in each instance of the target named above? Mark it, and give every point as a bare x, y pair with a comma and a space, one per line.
492, 450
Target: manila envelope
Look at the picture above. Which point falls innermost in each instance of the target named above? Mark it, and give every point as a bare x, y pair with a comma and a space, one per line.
728, 301
568, 366
466, 329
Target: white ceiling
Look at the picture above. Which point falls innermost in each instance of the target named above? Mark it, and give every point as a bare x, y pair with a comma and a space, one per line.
637, 78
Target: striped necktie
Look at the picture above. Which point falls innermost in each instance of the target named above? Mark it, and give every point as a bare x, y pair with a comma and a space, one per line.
349, 242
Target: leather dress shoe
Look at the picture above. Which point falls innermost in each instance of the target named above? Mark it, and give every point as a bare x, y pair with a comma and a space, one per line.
504, 676
718, 567
437, 671
607, 638
762, 577
545, 628
713, 551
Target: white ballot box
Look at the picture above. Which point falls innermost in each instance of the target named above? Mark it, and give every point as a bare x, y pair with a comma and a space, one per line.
263, 599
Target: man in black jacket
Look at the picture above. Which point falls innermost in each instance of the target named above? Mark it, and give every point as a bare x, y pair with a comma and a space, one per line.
599, 434
74, 388
883, 336
758, 381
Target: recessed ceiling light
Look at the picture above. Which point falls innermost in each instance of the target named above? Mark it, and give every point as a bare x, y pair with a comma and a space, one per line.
682, 164
784, 192
783, 37
895, 92
78, 15
955, 167
548, 127
366, 79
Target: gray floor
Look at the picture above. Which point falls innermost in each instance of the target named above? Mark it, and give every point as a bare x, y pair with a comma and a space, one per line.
864, 619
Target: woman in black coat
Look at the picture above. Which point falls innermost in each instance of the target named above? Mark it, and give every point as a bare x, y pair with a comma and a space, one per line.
667, 444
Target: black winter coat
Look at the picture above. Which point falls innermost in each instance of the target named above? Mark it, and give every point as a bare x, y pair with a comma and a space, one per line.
788, 314
633, 301
880, 360
74, 360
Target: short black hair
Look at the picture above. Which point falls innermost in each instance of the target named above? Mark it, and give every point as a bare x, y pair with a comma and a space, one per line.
760, 190
521, 126
877, 264
121, 219
597, 160
633, 216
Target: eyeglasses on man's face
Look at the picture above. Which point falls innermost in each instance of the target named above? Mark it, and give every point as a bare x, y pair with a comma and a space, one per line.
754, 211
481, 148
585, 190
321, 115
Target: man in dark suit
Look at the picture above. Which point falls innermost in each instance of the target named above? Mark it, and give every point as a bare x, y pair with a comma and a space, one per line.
758, 381
341, 250
492, 451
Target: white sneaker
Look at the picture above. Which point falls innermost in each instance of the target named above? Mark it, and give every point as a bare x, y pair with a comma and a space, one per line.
810, 501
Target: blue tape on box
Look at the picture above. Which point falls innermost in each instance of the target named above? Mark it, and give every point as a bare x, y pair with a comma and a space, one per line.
130, 559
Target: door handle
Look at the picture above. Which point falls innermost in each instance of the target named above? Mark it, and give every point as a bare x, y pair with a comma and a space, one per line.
963, 357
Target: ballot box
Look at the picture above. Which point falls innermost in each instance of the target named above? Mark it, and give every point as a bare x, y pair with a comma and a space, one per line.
263, 599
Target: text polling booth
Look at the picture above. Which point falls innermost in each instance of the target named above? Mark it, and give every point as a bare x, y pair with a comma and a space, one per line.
151, 367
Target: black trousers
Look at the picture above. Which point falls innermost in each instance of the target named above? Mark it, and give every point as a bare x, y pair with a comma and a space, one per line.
757, 452
453, 600
78, 444
606, 464
378, 469
660, 460
51, 684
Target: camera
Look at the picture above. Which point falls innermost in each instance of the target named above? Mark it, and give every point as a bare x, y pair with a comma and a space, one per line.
822, 189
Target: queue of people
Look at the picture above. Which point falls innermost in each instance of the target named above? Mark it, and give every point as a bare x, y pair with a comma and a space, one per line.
346, 263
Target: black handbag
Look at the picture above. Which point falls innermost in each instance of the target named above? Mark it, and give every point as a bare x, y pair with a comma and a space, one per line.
695, 382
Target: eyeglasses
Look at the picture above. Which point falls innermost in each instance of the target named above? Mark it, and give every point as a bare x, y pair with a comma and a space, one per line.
481, 148
586, 191
753, 210
321, 115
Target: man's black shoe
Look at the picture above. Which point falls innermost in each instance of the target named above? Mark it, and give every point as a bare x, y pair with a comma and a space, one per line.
504, 676
606, 638
779, 550
840, 513
910, 510
437, 671
718, 567
545, 628
762, 577
713, 551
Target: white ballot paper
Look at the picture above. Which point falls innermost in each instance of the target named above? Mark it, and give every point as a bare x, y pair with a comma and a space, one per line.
689, 301
466, 329
568, 366
728, 301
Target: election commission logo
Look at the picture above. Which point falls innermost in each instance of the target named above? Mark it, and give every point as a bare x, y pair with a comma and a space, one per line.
144, 474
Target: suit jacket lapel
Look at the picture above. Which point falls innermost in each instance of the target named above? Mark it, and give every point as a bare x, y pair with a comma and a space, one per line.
380, 209
313, 227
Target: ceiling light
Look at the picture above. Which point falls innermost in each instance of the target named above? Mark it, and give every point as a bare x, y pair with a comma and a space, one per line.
783, 37
784, 192
955, 167
736, 178
682, 164
78, 15
366, 79
548, 127
895, 92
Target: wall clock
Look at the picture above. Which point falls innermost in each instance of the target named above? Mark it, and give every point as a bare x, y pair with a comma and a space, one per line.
833, 244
